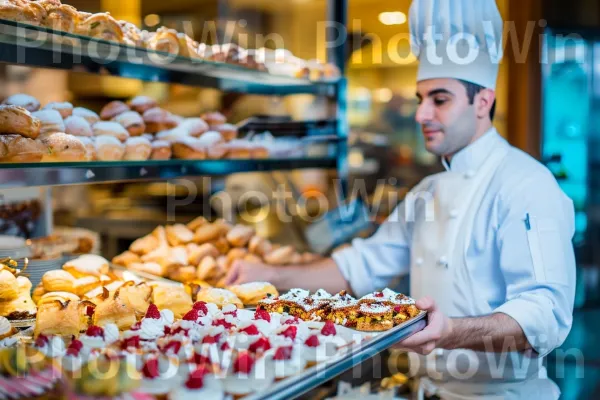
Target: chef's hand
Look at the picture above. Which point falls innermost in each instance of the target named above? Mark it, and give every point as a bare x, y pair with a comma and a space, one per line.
438, 329
243, 272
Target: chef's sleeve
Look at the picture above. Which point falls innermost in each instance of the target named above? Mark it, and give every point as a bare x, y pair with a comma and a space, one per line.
536, 225
371, 264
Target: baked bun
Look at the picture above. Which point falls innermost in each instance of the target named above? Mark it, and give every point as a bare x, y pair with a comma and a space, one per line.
253, 259
237, 150
132, 121
109, 148
178, 234
214, 118
196, 223
58, 296
16, 148
17, 120
63, 148
189, 148
87, 265
78, 126
126, 258
220, 297
85, 284
25, 101
208, 232
240, 235
135, 296
148, 268
157, 119
64, 108
113, 109
171, 297
280, 256
172, 135
37, 293
8, 286
194, 126
210, 270
114, 310
132, 35
144, 245
90, 116
51, 121
228, 131
29, 13
137, 149
110, 128
161, 150
251, 293
66, 319
259, 246
58, 281
101, 26
62, 17
197, 253
183, 274
90, 148
142, 103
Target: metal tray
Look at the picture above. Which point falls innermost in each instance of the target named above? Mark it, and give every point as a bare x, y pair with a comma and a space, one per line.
297, 385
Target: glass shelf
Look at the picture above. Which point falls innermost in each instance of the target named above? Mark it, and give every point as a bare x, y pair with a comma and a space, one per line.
26, 44
55, 174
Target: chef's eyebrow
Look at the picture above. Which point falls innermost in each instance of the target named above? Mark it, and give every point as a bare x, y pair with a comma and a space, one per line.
436, 92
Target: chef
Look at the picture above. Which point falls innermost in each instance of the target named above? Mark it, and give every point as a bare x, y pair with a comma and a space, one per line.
487, 243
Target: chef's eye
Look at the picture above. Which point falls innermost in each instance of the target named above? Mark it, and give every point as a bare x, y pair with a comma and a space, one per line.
440, 101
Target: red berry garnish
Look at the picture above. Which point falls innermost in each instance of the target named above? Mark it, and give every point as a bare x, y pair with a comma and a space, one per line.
261, 344
173, 345
150, 369
89, 311
292, 321
223, 323
210, 339
179, 329
283, 353
201, 306
191, 315
312, 341
378, 294
329, 329
137, 326
152, 312
200, 359
225, 346
133, 341
233, 313
243, 364
262, 314
250, 330
398, 309
196, 379
42, 340
290, 332
167, 330
95, 331
75, 346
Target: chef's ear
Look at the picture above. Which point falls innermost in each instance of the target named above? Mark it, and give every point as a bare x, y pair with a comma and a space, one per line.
484, 101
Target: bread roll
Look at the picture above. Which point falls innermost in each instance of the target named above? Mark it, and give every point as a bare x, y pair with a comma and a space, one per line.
197, 253
113, 109
228, 131
196, 223
16, 148
78, 126
221, 244
58, 281
101, 26
161, 150
189, 148
110, 128
253, 259
26, 101
90, 116
172, 135
280, 256
235, 254
63, 18
144, 245
17, 120
126, 258
29, 13
109, 148
206, 233
240, 235
63, 148
209, 270
157, 119
178, 234
194, 126
259, 246
142, 103
65, 108
137, 149
148, 268
132, 35
90, 148
132, 121
214, 118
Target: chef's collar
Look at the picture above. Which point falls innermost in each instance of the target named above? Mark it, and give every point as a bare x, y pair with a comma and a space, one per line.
469, 159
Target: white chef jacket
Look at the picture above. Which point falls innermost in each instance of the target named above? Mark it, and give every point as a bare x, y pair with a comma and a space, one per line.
539, 296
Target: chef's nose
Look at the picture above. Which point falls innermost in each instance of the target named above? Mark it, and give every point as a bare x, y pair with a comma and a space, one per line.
424, 113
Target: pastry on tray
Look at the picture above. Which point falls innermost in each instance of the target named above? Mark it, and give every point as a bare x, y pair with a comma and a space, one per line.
251, 293
26, 101
17, 120
220, 297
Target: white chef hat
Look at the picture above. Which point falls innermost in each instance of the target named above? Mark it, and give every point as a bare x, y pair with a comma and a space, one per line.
460, 39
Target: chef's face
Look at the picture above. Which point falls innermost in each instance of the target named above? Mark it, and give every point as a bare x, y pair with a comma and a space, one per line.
448, 121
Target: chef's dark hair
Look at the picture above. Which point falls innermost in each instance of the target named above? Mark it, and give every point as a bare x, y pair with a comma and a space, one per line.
472, 90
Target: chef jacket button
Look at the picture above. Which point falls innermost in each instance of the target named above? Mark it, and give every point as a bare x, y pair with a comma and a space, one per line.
443, 261
453, 213
419, 261
469, 174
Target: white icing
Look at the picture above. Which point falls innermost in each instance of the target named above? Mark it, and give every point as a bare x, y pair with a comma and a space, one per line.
54, 348
5, 326
321, 294
8, 342
295, 294
93, 342
213, 309
374, 308
212, 389
72, 363
229, 308
167, 317
286, 368
151, 329
111, 333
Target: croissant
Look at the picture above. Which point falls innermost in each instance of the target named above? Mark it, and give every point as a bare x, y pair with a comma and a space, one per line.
58, 281
63, 18
101, 26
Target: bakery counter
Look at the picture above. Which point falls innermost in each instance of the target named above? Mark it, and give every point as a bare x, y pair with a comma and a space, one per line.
68, 173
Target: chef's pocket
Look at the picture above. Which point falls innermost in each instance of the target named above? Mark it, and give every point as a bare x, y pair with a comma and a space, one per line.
547, 250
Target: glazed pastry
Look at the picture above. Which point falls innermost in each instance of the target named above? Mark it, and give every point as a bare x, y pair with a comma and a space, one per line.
16, 148
109, 148
240, 235
22, 307
58, 296
8, 286
65, 108
196, 223
197, 253
189, 148
144, 245
157, 119
194, 126
114, 310
66, 319
101, 26
148, 268
85, 284
126, 258
29, 13
62, 147
63, 18
183, 274
110, 128
228, 131
25, 101
172, 298
135, 296
251, 293
142, 103
220, 297
259, 246
132, 35
132, 121
90, 116
161, 150
6, 329
137, 149
78, 126
214, 118
58, 281
208, 232
17, 120
280, 256
37, 293
87, 265
172, 135
178, 234
51, 121
112, 109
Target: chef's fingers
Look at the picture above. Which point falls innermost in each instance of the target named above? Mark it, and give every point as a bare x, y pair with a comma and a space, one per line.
234, 273
426, 304
431, 333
